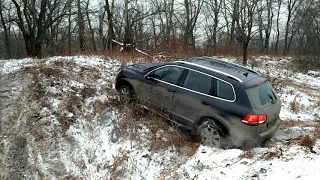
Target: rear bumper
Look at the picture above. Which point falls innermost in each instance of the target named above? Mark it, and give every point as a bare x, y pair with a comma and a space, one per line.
244, 135
270, 132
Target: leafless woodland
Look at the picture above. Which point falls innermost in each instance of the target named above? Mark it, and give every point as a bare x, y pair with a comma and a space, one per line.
42, 28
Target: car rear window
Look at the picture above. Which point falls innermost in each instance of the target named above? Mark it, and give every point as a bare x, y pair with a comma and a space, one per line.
262, 94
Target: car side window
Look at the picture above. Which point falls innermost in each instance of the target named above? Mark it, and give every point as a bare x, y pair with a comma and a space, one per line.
198, 82
168, 74
224, 90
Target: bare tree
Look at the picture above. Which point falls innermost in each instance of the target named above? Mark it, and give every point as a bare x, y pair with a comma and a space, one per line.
165, 16
93, 42
192, 10
69, 26
234, 19
268, 27
111, 34
214, 9
244, 23
292, 6
81, 27
279, 3
5, 29
32, 20
265, 18
133, 17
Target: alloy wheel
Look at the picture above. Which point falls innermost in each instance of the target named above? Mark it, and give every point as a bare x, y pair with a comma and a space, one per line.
210, 136
125, 94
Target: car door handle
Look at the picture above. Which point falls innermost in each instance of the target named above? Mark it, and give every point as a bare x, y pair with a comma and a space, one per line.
171, 90
205, 103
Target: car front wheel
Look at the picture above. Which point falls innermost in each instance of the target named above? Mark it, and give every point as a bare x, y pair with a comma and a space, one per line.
126, 94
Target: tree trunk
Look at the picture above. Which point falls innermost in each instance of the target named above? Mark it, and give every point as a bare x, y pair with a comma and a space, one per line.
235, 17
128, 36
111, 33
245, 54
278, 28
101, 35
93, 42
81, 27
286, 48
69, 28
269, 27
188, 23
33, 41
260, 25
6, 33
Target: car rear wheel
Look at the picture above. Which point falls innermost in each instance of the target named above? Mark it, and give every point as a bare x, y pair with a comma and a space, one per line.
126, 94
210, 134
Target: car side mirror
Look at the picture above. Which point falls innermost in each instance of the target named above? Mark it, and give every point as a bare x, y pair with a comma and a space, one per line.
151, 78
148, 77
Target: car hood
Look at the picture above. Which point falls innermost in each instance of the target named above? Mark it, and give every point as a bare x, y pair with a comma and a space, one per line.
144, 67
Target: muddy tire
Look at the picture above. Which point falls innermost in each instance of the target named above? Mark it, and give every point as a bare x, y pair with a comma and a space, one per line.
210, 134
126, 94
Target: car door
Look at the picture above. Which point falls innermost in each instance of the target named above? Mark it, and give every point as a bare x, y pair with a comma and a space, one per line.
144, 88
164, 82
190, 99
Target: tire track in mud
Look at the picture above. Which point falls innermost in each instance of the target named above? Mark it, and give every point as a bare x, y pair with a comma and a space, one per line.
25, 138
13, 115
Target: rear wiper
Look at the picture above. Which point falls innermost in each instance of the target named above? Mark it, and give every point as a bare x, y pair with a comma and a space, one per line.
273, 101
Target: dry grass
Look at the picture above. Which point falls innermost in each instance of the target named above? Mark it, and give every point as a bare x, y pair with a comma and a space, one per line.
161, 134
294, 105
305, 63
164, 135
119, 167
307, 141
277, 83
294, 123
249, 154
317, 131
70, 109
273, 154
317, 104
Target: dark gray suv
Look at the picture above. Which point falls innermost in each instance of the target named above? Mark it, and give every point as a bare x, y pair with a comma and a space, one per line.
221, 103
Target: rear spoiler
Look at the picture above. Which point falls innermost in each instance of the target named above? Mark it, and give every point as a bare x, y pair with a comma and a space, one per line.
255, 82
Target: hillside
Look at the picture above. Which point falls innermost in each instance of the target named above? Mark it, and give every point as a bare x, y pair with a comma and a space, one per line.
61, 119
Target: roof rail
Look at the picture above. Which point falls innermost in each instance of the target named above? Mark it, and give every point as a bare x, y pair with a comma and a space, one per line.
238, 65
210, 69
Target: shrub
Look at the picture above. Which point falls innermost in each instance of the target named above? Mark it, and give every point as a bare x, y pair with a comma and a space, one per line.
305, 63
307, 141
294, 105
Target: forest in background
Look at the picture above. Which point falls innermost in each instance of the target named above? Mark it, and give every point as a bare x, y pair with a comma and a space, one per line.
42, 28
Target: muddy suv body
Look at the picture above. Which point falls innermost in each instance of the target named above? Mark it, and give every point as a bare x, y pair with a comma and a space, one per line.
220, 102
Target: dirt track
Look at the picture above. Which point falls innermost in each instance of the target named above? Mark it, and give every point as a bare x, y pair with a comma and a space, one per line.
15, 118
25, 132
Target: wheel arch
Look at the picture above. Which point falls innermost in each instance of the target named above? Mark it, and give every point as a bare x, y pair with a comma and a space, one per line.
122, 82
220, 123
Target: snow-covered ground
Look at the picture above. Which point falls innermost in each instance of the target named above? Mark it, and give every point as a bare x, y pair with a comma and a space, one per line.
60, 119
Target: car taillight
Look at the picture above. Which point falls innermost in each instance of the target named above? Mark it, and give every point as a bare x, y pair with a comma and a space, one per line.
253, 119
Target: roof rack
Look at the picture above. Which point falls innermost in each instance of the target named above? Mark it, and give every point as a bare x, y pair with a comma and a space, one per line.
211, 69
237, 65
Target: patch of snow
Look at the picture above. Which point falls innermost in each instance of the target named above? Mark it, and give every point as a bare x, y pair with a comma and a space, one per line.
13, 65
312, 81
304, 105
